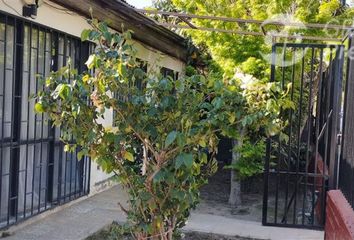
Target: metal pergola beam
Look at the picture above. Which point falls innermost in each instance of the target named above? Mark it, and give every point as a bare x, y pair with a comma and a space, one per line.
250, 21
252, 33
262, 24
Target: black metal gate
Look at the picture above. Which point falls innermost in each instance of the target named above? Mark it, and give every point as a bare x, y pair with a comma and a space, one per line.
301, 161
35, 173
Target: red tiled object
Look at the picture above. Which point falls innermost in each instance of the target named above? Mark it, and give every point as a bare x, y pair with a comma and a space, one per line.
339, 217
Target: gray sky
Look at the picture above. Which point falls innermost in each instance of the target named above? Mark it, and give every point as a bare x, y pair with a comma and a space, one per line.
140, 3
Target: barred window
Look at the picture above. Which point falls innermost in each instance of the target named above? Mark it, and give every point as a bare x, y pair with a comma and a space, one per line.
35, 173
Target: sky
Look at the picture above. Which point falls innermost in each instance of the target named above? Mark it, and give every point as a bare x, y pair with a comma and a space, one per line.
140, 3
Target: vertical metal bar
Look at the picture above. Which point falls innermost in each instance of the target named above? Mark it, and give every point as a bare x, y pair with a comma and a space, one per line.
318, 105
35, 126
3, 110
88, 161
75, 175
42, 118
48, 127
337, 94
83, 178
18, 74
28, 94
72, 158
60, 165
66, 153
13, 153
309, 133
266, 179
299, 132
51, 131
11, 143
285, 217
77, 64
267, 160
279, 146
328, 79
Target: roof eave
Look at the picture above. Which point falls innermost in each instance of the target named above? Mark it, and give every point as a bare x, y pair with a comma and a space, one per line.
145, 30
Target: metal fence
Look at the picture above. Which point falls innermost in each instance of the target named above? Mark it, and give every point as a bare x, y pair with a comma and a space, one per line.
346, 166
300, 159
35, 173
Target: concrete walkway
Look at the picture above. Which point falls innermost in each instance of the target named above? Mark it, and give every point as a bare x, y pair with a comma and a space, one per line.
233, 227
83, 218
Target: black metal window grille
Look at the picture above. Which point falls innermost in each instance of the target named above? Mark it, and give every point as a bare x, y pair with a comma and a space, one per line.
166, 72
35, 173
346, 166
301, 162
138, 83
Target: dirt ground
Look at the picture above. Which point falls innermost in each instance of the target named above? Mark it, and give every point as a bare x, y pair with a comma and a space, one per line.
203, 236
106, 234
214, 198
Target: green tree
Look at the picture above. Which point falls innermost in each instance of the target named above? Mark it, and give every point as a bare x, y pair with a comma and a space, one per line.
231, 51
155, 143
164, 133
244, 54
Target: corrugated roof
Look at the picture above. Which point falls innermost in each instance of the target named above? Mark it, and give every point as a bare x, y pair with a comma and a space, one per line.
146, 30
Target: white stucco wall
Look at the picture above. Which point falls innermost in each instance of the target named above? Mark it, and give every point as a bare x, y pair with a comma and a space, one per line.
57, 17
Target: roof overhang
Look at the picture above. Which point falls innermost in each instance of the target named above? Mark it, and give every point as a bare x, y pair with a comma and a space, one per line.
145, 30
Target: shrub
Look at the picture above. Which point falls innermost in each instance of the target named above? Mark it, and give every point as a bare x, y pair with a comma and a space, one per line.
163, 136
162, 140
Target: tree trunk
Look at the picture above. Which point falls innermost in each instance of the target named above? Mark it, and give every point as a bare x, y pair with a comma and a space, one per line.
235, 184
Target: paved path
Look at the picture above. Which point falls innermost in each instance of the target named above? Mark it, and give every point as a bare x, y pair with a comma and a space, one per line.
234, 227
88, 216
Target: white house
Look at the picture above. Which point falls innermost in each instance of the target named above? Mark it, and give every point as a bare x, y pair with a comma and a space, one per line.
37, 37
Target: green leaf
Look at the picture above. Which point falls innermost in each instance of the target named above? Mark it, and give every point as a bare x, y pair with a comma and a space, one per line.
188, 160
179, 161
85, 34
39, 107
170, 138
122, 69
178, 194
159, 177
179, 86
181, 140
64, 91
81, 154
202, 143
203, 158
129, 156
185, 159
217, 102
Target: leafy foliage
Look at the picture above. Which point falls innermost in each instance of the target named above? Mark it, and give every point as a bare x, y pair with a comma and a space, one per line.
251, 158
155, 144
164, 132
246, 54
231, 51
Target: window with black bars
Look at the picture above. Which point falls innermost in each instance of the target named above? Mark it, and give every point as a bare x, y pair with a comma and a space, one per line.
35, 173
138, 82
166, 72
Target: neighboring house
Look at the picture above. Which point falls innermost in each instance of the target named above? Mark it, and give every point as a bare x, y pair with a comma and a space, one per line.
35, 173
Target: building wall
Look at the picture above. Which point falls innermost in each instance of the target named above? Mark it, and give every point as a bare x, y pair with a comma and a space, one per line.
56, 17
